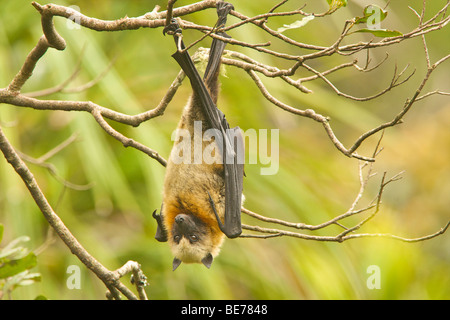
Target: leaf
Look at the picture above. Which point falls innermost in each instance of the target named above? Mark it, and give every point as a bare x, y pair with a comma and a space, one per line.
382, 33
13, 252
1, 232
28, 278
336, 4
373, 15
373, 11
10, 268
296, 24
24, 278
15, 242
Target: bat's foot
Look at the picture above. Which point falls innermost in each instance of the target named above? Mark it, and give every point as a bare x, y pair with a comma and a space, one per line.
140, 281
223, 9
172, 28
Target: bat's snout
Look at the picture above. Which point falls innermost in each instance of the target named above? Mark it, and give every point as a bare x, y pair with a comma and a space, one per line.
181, 218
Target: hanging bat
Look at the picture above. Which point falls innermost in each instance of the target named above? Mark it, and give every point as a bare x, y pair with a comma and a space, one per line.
202, 200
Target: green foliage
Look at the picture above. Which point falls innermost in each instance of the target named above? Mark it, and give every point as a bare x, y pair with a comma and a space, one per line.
382, 33
375, 14
335, 4
296, 24
370, 11
15, 264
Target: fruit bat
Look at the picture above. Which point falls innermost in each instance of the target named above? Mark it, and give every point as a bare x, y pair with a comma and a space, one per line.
202, 199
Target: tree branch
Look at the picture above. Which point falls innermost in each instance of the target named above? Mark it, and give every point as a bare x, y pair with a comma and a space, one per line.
110, 279
348, 232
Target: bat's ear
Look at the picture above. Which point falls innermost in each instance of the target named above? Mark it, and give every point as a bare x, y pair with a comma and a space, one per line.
175, 264
208, 260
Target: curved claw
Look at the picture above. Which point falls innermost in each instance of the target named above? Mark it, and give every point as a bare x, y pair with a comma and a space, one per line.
172, 28
223, 9
161, 234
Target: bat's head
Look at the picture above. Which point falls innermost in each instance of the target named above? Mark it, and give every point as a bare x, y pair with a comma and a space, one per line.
192, 240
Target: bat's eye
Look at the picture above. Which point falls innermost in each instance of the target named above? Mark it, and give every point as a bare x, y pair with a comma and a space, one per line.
176, 238
193, 238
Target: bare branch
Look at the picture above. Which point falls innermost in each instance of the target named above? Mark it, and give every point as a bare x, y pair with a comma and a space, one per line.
170, 4
395, 82
391, 236
130, 23
138, 277
338, 238
153, 19
110, 279
61, 86
30, 63
53, 38
127, 142
438, 92
309, 113
348, 232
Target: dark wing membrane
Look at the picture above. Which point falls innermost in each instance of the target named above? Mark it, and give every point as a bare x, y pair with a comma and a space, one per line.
234, 178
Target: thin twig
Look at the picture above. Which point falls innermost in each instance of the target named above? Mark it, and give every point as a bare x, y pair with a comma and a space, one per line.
127, 142
42, 161
62, 85
138, 278
170, 4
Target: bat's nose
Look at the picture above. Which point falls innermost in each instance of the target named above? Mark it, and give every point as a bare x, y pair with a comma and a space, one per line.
180, 219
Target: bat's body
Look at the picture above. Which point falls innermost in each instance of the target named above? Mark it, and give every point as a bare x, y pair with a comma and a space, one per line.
202, 201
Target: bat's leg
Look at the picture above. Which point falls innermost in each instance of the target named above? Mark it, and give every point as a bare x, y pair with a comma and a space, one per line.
212, 114
215, 53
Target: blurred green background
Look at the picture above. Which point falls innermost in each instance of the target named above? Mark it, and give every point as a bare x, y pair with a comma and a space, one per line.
112, 219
